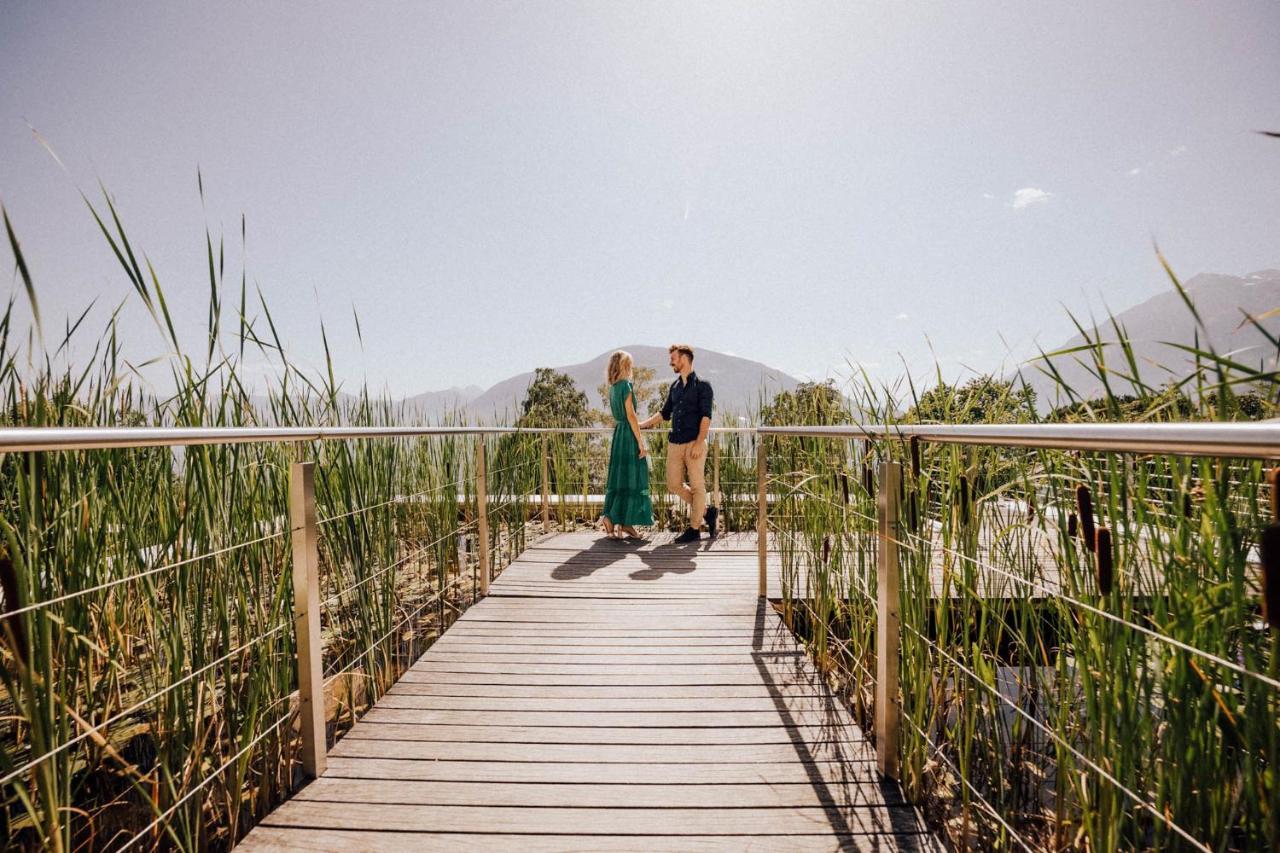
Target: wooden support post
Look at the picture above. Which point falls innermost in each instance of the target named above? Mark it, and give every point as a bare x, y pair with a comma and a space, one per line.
546, 487
888, 707
716, 499
762, 512
306, 614
482, 517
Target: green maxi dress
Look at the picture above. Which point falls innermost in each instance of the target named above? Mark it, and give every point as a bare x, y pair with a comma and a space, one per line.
626, 495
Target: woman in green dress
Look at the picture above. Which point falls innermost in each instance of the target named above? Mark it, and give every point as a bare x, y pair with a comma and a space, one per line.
626, 495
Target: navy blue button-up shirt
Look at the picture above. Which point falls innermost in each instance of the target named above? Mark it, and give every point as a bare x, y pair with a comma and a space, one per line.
688, 402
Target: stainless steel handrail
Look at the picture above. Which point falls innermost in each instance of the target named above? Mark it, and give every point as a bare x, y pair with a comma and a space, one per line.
1255, 440
1258, 440
24, 439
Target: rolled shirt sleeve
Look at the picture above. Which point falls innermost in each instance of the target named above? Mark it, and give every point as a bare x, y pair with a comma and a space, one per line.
704, 399
666, 406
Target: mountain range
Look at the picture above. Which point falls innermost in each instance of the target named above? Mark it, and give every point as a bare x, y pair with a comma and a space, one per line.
740, 385
1156, 327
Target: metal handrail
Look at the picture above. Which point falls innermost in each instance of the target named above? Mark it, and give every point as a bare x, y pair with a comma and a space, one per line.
1255, 440
25, 439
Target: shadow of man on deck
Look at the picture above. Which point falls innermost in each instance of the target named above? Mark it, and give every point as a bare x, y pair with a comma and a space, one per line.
602, 553
672, 558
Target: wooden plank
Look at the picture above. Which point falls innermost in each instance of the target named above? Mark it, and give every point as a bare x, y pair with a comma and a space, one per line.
615, 719
502, 643
800, 820
547, 795
598, 753
678, 657
408, 697
592, 691
380, 724
285, 839
602, 773
521, 676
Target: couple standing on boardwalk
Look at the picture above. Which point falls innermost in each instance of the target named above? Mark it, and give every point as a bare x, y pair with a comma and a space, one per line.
688, 407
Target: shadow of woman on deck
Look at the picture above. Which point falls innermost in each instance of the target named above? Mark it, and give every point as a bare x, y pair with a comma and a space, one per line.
603, 552
671, 558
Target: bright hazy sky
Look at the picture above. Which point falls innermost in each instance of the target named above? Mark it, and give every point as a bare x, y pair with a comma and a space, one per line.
499, 186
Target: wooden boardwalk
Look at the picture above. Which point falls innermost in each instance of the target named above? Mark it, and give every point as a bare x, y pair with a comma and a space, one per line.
606, 696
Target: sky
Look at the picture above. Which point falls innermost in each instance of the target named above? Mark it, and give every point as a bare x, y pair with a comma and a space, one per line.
497, 186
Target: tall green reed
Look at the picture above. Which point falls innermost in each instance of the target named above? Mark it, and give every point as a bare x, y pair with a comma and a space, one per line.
1053, 695
147, 670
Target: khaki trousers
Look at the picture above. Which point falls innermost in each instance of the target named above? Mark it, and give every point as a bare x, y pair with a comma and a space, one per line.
682, 469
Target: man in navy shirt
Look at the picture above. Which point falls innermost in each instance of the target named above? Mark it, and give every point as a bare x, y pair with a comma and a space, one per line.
688, 407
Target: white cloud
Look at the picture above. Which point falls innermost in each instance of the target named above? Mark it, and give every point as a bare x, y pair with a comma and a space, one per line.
988, 195
668, 304
1136, 170
1178, 151
901, 316
1028, 196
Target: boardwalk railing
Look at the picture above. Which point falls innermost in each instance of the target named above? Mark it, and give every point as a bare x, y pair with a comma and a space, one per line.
1055, 632
153, 693
1067, 689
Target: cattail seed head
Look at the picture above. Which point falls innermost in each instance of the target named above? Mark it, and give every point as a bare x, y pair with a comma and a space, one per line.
964, 499
1102, 553
914, 444
1271, 575
1072, 525
844, 485
1084, 506
826, 549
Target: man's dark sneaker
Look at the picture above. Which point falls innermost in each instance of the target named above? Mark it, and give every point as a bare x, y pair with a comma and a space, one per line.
713, 516
690, 535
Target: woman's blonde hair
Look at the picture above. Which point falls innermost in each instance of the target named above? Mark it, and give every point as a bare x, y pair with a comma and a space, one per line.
618, 364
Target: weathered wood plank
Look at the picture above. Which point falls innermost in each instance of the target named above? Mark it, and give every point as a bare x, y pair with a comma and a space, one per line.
762, 701
501, 692
604, 773
664, 753
553, 794
381, 724
285, 839
799, 820
615, 719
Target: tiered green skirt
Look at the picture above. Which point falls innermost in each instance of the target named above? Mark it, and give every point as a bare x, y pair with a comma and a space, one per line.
626, 496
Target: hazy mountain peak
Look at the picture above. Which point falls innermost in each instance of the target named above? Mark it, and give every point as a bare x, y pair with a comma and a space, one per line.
1160, 322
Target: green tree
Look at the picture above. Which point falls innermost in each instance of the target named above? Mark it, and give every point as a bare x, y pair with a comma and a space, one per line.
553, 400
981, 400
648, 394
810, 404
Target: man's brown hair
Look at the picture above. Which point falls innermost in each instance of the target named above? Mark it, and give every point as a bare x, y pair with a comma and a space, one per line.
684, 349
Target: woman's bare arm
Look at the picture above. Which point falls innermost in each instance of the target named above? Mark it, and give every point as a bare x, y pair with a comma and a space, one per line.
635, 424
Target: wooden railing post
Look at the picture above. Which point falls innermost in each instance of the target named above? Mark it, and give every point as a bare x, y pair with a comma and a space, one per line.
306, 614
888, 708
762, 512
482, 517
716, 499
546, 486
